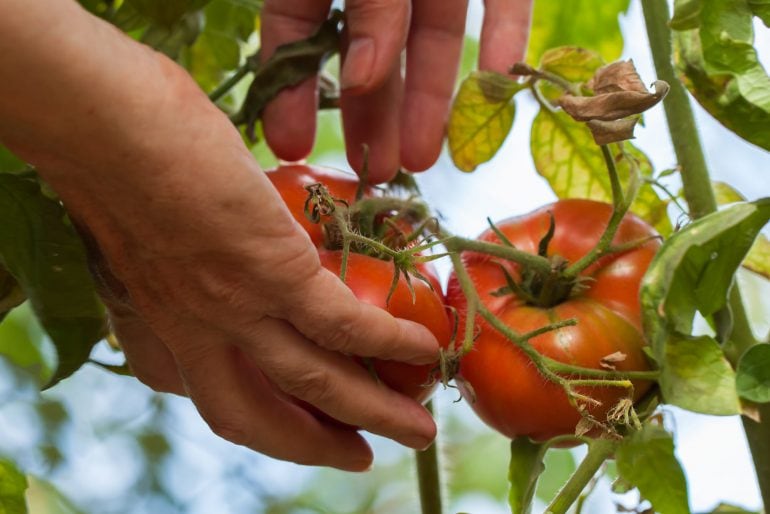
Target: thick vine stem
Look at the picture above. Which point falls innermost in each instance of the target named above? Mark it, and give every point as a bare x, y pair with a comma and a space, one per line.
701, 201
429, 476
599, 450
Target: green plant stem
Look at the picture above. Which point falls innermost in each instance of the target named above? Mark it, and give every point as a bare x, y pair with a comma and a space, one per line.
231, 82
428, 476
599, 450
619, 209
701, 201
528, 260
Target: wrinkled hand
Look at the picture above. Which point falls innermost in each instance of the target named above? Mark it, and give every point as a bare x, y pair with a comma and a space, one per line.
214, 290
400, 119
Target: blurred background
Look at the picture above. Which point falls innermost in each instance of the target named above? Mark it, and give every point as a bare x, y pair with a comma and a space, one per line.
100, 443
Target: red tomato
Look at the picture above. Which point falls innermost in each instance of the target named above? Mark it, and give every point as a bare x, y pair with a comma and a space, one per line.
370, 279
506, 390
291, 179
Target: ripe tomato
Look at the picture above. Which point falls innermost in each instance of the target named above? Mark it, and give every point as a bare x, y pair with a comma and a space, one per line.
506, 390
291, 179
370, 279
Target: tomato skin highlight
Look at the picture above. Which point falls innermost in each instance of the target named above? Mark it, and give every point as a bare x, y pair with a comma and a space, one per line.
370, 280
498, 380
290, 181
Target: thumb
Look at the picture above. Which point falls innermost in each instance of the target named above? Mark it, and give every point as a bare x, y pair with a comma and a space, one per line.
376, 32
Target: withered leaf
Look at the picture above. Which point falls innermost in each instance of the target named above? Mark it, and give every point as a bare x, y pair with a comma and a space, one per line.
612, 105
619, 97
618, 76
606, 132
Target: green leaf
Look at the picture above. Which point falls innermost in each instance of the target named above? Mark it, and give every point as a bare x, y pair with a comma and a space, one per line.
13, 485
40, 249
22, 343
726, 508
584, 23
9, 163
758, 259
291, 64
481, 117
695, 375
11, 294
753, 374
565, 154
646, 459
525, 468
559, 466
722, 70
166, 13
44, 497
573, 64
228, 25
686, 14
694, 269
171, 40
761, 9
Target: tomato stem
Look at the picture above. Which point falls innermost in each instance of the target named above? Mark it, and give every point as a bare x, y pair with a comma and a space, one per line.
526, 260
428, 476
599, 450
620, 205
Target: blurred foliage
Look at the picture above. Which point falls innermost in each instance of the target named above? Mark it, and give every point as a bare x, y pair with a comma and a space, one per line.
584, 23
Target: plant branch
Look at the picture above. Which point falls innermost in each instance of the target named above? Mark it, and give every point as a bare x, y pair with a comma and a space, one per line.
620, 207
527, 260
599, 450
701, 201
428, 476
225, 87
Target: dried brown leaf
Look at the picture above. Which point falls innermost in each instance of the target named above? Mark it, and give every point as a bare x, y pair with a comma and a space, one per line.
613, 105
618, 76
606, 132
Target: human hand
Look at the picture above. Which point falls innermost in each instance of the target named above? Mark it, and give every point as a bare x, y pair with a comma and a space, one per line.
401, 120
214, 290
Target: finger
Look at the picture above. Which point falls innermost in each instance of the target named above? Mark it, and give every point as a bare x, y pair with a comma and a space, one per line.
337, 385
289, 120
350, 326
433, 55
372, 119
504, 34
146, 355
376, 32
240, 405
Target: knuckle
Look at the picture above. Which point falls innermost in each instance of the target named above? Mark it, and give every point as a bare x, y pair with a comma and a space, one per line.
231, 428
315, 386
343, 333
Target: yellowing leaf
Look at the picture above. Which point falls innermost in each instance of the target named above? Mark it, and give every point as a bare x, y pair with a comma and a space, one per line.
565, 154
481, 117
573, 64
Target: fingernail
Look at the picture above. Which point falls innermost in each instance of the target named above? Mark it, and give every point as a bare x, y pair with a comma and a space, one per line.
359, 61
417, 442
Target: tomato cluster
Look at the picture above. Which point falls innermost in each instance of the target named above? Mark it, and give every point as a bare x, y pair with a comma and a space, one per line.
371, 278
499, 381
